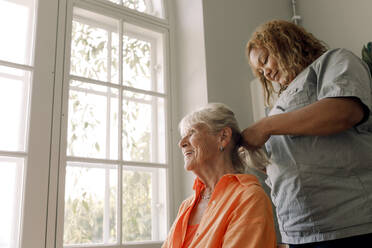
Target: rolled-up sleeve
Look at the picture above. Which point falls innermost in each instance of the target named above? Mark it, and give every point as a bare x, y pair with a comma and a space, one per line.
343, 74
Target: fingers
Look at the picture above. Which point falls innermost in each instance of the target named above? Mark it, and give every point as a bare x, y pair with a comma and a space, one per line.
251, 139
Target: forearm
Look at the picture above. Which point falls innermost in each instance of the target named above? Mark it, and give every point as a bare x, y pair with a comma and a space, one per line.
325, 117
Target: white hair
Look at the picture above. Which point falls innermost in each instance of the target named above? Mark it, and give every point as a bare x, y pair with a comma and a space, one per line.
218, 116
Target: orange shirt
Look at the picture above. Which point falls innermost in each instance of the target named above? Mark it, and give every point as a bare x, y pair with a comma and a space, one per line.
190, 233
238, 215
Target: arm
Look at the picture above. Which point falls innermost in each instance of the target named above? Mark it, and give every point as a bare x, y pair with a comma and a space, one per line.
251, 224
325, 117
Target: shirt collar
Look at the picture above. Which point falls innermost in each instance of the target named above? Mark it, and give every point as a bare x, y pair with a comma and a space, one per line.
243, 179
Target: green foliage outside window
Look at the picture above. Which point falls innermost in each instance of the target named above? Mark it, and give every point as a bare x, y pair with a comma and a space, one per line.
84, 214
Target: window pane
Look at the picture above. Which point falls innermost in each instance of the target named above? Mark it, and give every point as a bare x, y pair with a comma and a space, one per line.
94, 50
143, 58
144, 204
11, 181
90, 204
151, 7
92, 121
143, 128
17, 20
14, 102
115, 1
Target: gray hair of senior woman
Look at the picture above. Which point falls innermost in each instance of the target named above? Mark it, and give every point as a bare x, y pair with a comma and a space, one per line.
218, 116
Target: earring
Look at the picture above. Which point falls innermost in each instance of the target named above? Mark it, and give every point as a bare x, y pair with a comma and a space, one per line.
222, 148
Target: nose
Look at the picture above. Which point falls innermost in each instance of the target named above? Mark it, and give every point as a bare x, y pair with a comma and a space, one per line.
183, 142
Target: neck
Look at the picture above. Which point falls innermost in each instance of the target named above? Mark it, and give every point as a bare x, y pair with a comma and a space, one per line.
211, 173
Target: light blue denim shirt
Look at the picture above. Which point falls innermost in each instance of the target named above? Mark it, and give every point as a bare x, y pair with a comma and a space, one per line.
322, 185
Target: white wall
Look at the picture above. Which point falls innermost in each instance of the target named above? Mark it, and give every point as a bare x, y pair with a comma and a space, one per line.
189, 81
339, 23
228, 25
210, 64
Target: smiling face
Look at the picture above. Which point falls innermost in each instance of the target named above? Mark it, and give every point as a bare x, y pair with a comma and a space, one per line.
199, 147
265, 64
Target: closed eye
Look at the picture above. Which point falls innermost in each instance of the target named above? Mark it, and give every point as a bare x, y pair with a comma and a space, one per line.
264, 58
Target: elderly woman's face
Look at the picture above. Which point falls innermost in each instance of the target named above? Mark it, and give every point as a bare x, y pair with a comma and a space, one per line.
199, 146
266, 65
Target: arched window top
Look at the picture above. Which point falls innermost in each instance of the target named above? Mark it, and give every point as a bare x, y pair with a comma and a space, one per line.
150, 7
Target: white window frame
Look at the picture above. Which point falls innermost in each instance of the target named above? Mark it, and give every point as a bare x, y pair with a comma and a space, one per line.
42, 195
37, 156
58, 156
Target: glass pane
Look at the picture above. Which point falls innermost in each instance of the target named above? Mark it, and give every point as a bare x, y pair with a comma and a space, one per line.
115, 1
90, 204
11, 181
143, 128
139, 5
151, 7
14, 104
17, 19
94, 50
144, 204
92, 121
143, 58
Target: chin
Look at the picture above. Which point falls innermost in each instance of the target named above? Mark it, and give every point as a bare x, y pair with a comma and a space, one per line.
188, 167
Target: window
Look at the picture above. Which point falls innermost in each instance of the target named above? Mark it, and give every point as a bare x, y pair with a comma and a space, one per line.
114, 159
84, 100
150, 7
16, 70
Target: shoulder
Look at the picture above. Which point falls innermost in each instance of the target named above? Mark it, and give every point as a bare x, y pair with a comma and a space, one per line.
339, 61
255, 193
249, 189
186, 203
337, 56
251, 201
337, 52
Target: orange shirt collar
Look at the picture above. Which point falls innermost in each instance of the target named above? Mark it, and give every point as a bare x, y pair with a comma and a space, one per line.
243, 179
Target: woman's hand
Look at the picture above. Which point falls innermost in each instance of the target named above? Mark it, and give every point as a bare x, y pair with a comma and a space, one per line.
255, 136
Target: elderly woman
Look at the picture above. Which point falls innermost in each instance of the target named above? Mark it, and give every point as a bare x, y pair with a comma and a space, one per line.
229, 208
318, 134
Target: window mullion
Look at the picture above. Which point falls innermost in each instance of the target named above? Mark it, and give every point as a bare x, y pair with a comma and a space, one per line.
154, 105
106, 213
154, 204
120, 134
108, 97
16, 65
25, 101
65, 57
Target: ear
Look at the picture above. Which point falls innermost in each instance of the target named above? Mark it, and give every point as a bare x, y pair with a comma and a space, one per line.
225, 136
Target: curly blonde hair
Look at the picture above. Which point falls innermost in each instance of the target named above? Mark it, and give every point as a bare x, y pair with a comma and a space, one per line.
290, 45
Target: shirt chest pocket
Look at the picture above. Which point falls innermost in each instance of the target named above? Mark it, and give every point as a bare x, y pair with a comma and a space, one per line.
295, 98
